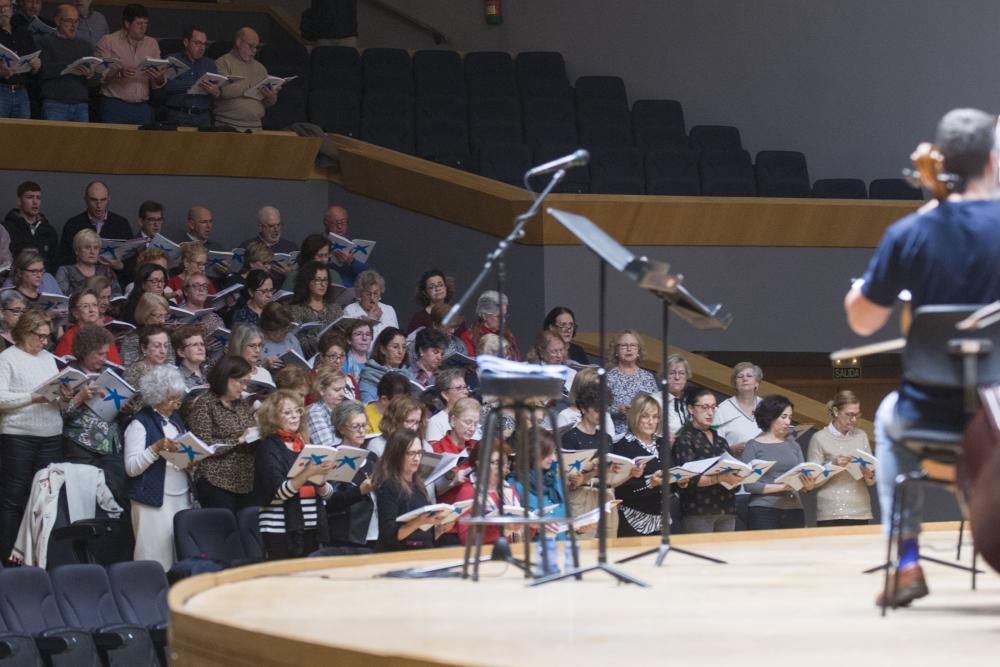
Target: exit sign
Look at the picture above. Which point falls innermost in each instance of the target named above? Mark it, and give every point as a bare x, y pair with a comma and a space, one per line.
846, 372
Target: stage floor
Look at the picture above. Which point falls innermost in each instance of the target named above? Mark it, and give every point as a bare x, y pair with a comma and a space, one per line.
794, 596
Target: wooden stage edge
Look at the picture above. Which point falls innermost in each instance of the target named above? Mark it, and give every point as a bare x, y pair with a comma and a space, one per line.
795, 595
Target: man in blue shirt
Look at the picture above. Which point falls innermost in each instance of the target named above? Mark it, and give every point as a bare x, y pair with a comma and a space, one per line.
943, 254
192, 110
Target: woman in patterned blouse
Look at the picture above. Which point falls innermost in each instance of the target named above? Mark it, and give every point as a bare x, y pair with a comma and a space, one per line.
625, 379
640, 510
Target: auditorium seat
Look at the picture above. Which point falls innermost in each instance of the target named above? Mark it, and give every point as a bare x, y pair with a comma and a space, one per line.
617, 170
489, 74
542, 74
603, 122
715, 137
549, 119
538, 133
438, 72
218, 48
441, 107
85, 600
394, 132
893, 188
140, 590
17, 649
672, 172
495, 119
335, 68
28, 606
286, 58
658, 124
505, 162
601, 88
839, 188
208, 533
577, 179
290, 107
387, 69
247, 522
781, 174
726, 173
337, 111
444, 141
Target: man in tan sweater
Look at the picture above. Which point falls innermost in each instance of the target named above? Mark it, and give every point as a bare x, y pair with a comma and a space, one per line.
233, 108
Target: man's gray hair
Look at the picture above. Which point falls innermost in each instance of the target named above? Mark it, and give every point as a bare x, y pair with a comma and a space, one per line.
489, 302
266, 212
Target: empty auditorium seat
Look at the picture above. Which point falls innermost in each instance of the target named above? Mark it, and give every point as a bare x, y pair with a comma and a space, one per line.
489, 74
387, 70
140, 590
437, 72
441, 107
444, 141
247, 522
537, 134
542, 74
496, 119
28, 606
17, 649
840, 188
617, 170
715, 137
335, 68
601, 87
658, 124
672, 172
577, 179
549, 119
505, 162
337, 111
208, 533
893, 188
726, 173
395, 132
85, 600
781, 174
603, 122
290, 107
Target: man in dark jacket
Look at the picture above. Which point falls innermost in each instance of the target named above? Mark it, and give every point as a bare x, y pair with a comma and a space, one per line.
28, 227
14, 100
98, 217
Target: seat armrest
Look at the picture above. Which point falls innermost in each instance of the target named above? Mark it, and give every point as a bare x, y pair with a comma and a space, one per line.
115, 636
158, 633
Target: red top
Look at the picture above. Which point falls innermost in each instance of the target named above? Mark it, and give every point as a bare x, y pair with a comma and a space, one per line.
65, 346
448, 446
490, 533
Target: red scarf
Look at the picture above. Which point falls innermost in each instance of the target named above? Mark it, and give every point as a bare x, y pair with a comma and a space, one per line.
295, 443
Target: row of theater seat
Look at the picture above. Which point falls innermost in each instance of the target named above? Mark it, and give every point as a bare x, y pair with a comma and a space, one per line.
84, 615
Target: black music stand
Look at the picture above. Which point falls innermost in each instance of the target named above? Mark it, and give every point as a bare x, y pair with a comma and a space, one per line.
656, 278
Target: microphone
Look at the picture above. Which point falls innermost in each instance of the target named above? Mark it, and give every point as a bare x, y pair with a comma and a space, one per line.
577, 159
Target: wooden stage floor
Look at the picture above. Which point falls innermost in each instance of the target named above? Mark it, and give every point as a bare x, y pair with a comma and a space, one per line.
791, 596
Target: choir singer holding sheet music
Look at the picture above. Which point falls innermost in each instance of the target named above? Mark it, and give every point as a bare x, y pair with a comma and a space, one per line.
293, 521
774, 505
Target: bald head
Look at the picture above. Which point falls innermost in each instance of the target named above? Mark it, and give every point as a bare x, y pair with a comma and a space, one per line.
67, 20
335, 220
246, 42
97, 197
199, 222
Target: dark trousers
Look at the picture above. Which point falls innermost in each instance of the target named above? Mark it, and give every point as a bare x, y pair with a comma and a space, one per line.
210, 495
114, 110
279, 546
770, 518
22, 456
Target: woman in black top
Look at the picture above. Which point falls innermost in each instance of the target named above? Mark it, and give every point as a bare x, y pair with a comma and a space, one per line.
640, 511
562, 322
400, 489
292, 518
706, 505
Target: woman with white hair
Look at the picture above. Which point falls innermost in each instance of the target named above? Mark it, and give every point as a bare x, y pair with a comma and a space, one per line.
159, 490
87, 247
734, 419
488, 322
369, 287
12, 306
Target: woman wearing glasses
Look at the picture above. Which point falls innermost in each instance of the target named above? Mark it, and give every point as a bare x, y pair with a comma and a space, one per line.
258, 291
222, 416
464, 419
247, 342
843, 500
194, 260
155, 348
293, 520
369, 287
734, 419
332, 349
312, 302
87, 248
640, 512
358, 526
84, 308
359, 341
706, 505
625, 379
562, 322
12, 306
151, 278
195, 294
31, 425
433, 288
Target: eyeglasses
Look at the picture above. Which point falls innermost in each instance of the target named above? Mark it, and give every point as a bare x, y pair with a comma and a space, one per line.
459, 387
358, 428
43, 336
850, 415
320, 280
566, 326
334, 355
16, 311
151, 219
702, 406
416, 453
197, 343
35, 272
155, 281
199, 286
678, 374
254, 346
